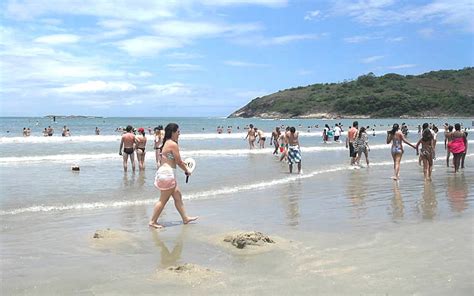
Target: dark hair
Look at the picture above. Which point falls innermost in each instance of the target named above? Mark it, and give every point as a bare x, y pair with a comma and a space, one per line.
169, 130
395, 128
355, 124
457, 127
425, 125
129, 128
292, 129
362, 130
251, 125
450, 128
427, 135
326, 125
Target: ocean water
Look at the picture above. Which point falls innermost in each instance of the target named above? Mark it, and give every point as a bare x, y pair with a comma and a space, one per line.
340, 230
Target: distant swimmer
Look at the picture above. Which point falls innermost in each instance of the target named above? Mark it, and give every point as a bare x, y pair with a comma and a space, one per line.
274, 139
25, 132
396, 137
128, 145
326, 133
97, 131
28, 132
140, 141
261, 137
64, 131
426, 153
158, 141
448, 131
165, 179
45, 132
463, 157
229, 129
251, 136
337, 133
50, 131
294, 152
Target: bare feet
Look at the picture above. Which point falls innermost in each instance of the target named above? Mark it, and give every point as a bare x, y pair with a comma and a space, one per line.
190, 219
394, 178
155, 225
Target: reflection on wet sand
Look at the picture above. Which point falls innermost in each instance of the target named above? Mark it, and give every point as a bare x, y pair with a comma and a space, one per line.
457, 192
357, 192
290, 198
169, 258
429, 204
397, 203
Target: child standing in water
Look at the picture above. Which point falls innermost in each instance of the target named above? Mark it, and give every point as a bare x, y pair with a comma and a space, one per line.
426, 153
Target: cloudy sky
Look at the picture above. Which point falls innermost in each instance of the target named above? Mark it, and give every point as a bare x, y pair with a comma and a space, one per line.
211, 57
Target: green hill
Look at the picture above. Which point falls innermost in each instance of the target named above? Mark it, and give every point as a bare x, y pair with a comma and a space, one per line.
437, 93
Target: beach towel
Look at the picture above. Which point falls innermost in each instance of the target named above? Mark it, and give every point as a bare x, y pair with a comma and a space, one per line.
457, 146
294, 154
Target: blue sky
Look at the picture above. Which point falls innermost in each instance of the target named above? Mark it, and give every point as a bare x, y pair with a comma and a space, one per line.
211, 57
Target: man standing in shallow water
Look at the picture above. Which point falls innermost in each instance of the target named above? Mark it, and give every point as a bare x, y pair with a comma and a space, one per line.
128, 144
294, 152
351, 137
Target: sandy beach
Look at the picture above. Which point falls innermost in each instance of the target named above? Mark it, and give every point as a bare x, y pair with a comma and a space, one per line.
336, 230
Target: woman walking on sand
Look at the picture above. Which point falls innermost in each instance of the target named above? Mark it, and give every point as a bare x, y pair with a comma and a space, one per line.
165, 179
396, 137
427, 152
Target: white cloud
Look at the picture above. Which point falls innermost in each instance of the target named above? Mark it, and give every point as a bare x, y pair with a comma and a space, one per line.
184, 67
192, 30
57, 39
403, 66
141, 74
457, 13
171, 89
371, 59
270, 3
285, 39
184, 55
148, 45
359, 38
97, 86
138, 10
311, 15
234, 63
395, 39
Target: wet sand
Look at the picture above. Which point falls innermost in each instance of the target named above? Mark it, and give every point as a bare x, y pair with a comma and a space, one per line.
347, 233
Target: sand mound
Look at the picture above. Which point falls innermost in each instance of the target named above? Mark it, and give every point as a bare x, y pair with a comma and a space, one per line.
109, 239
188, 274
254, 238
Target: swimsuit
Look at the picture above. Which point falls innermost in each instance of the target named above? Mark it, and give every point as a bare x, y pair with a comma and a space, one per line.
142, 149
165, 178
294, 154
397, 147
128, 150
